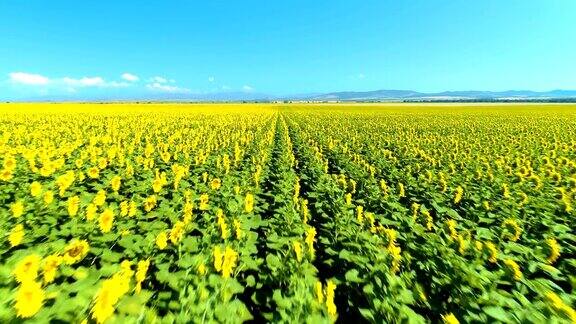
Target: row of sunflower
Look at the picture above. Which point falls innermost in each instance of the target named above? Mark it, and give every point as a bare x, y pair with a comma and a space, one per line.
506, 225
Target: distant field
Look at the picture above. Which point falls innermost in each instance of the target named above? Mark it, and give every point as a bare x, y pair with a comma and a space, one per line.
321, 212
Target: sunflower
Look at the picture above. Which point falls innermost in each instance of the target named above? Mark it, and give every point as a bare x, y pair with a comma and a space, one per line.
106, 220
75, 251
29, 299
27, 269
16, 235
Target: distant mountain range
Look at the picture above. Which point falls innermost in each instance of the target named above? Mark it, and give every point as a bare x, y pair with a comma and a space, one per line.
377, 95
441, 96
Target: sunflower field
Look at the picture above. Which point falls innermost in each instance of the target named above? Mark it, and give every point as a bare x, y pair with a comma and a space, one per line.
316, 213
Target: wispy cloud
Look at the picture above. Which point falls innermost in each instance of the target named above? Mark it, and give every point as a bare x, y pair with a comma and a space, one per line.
247, 88
157, 86
130, 77
92, 82
65, 83
158, 79
69, 84
28, 78
211, 79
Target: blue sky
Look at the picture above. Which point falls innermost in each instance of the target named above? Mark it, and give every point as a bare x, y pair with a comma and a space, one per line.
80, 48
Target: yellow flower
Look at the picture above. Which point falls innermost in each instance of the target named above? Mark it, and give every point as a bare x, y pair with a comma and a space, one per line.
513, 229
450, 319
330, 306
225, 262
201, 269
29, 299
48, 197
64, 182
319, 293
132, 209
115, 183
16, 235
102, 163
229, 262
141, 274
559, 305
524, 200
360, 214
348, 199
415, 208
35, 189
304, 210
106, 220
106, 297
514, 269
249, 203
297, 250
9, 162
27, 269
238, 229
177, 232
429, 219
225, 233
462, 244
91, 211
492, 252
384, 187
50, 266
310, 238
5, 175
215, 184
157, 185
73, 205
124, 208
396, 257
401, 190
458, 195
505, 191
149, 203
451, 224
17, 209
93, 172
478, 245
75, 251
162, 240
217, 253
100, 198
554, 249
203, 202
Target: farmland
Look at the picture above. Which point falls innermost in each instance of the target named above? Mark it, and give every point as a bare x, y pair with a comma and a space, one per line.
295, 213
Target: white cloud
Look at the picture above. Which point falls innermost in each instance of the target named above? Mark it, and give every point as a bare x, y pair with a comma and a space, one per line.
158, 79
70, 84
92, 82
157, 86
28, 78
130, 77
211, 79
225, 87
84, 82
116, 84
361, 76
247, 88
